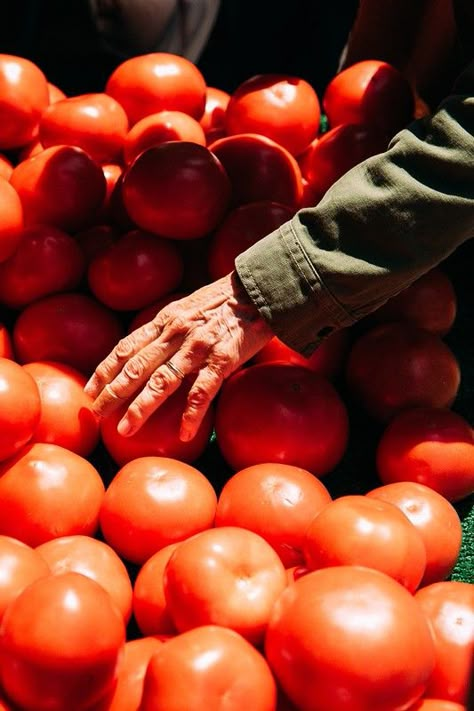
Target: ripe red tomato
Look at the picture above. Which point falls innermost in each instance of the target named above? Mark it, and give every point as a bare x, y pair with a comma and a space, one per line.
349, 639
281, 107
24, 92
240, 229
227, 576
20, 407
207, 668
95, 240
47, 260
60, 642
134, 271
70, 328
212, 120
277, 501
152, 502
276, 412
371, 92
20, 565
437, 705
436, 520
6, 167
161, 127
6, 344
177, 189
259, 169
94, 559
47, 491
449, 607
149, 604
94, 122
65, 171
430, 446
395, 365
148, 83
11, 219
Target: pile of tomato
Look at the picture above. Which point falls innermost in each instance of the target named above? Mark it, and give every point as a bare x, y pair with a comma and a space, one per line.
131, 576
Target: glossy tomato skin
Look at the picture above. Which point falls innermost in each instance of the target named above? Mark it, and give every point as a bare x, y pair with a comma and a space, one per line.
6, 167
149, 603
17, 424
202, 667
282, 413
161, 127
21, 565
349, 638
60, 642
157, 81
213, 118
430, 446
11, 220
437, 705
281, 107
177, 189
24, 92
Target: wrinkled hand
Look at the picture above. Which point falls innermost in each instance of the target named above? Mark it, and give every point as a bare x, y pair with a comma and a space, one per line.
209, 334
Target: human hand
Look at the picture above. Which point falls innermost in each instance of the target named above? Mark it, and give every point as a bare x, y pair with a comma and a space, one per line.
208, 334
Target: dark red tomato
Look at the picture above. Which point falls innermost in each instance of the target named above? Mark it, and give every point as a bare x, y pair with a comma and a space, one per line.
327, 360
159, 128
55, 93
47, 260
134, 271
95, 240
6, 167
94, 122
396, 365
283, 413
449, 607
240, 229
336, 152
310, 197
150, 609
47, 491
71, 328
212, 120
281, 107
259, 169
6, 344
20, 565
153, 502
20, 407
370, 92
149, 312
349, 639
11, 219
67, 418
177, 189
61, 186
157, 81
430, 446
60, 643
24, 92
114, 212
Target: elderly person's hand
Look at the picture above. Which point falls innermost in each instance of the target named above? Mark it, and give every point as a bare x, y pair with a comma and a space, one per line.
209, 334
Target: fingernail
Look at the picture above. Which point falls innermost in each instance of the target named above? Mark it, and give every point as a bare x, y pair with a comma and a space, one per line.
185, 435
124, 427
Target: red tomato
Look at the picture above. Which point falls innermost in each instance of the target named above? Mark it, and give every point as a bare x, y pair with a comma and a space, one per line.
11, 219
430, 446
437, 705
376, 535
208, 668
449, 607
277, 501
112, 173
226, 576
349, 639
177, 189
60, 643
259, 169
94, 122
70, 328
395, 366
94, 559
6, 167
436, 520
6, 344
46, 492
31, 149
283, 108
20, 565
152, 502
149, 312
65, 171
24, 92
20, 407
47, 260
212, 120
159, 435
55, 93
95, 240
159, 128
371, 92
157, 81
67, 417
149, 604
134, 271
275, 412
240, 229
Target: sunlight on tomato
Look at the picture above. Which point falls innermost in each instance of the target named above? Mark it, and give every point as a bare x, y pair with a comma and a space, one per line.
20, 565
24, 97
149, 603
20, 407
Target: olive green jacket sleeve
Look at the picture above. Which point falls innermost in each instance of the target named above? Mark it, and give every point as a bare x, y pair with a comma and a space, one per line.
381, 226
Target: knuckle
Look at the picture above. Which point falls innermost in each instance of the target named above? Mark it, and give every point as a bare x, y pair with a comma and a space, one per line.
157, 383
125, 347
198, 398
134, 368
